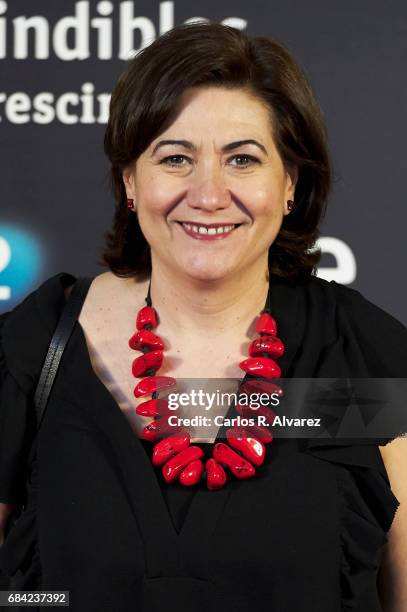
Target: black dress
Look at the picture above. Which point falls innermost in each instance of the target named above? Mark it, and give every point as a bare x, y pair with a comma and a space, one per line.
305, 534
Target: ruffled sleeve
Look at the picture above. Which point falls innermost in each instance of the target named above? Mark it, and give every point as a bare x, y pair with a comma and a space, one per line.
370, 344
17, 427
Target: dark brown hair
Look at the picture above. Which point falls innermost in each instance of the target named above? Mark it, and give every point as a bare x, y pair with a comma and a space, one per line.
144, 102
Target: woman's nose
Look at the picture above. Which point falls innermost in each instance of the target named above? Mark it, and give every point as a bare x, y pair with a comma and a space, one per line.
208, 192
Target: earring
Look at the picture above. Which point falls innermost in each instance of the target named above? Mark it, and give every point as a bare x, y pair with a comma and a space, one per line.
130, 203
290, 205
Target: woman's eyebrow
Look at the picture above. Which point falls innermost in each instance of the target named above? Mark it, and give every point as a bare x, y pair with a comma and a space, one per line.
228, 147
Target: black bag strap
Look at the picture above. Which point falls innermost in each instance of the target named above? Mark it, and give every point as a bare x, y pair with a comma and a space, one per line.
58, 342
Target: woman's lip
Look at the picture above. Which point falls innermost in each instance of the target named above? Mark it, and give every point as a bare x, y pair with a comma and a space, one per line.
209, 225
198, 236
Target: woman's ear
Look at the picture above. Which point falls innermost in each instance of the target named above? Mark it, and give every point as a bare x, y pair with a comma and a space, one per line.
292, 176
291, 182
128, 180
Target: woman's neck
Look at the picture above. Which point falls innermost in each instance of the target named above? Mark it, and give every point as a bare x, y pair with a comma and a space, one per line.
208, 307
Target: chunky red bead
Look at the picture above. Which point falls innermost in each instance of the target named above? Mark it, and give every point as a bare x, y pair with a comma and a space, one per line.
150, 432
261, 366
260, 386
153, 408
168, 447
147, 316
192, 473
215, 475
145, 338
243, 441
152, 384
174, 466
266, 344
141, 365
237, 465
265, 324
158, 429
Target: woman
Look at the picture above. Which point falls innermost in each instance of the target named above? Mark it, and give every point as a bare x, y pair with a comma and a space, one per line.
207, 128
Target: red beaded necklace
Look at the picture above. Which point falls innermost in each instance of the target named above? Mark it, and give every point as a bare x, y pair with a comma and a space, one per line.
245, 447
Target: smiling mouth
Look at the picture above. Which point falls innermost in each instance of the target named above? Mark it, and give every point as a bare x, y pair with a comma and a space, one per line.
213, 232
210, 229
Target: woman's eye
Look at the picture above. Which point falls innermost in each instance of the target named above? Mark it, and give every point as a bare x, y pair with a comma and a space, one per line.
173, 160
247, 160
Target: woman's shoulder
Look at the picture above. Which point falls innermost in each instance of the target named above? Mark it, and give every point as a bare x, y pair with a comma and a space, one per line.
26, 330
39, 306
366, 328
359, 308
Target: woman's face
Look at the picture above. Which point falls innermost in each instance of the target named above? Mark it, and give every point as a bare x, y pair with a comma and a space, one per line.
216, 164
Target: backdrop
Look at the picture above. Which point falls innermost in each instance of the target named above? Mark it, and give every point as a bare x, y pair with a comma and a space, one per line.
59, 61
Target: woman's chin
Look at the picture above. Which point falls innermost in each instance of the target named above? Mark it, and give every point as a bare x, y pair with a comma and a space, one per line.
207, 273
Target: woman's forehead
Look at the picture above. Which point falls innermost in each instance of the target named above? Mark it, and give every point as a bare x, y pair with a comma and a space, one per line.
219, 115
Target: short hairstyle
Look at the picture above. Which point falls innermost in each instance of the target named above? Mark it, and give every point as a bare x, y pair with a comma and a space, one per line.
206, 54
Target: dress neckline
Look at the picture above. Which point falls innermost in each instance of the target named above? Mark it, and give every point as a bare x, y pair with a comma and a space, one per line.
289, 314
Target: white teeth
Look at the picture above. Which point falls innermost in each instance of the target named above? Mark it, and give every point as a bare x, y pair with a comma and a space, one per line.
200, 229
